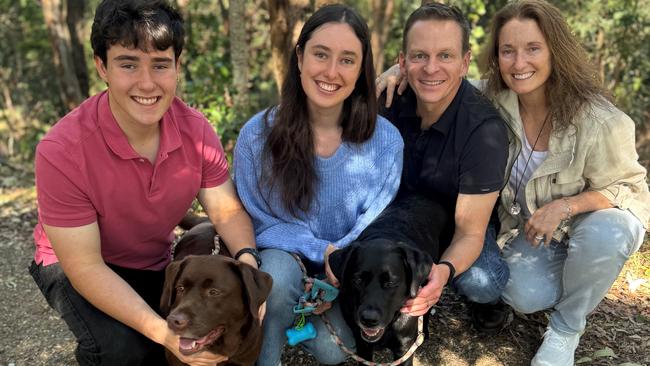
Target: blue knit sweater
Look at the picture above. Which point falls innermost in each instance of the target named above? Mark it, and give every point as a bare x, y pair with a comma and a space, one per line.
355, 185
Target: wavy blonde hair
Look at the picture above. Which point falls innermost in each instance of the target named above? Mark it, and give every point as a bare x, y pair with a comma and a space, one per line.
573, 83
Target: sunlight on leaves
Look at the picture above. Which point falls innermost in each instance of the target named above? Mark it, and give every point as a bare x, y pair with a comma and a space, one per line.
633, 284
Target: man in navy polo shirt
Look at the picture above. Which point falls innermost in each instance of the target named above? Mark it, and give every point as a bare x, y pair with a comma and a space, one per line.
455, 153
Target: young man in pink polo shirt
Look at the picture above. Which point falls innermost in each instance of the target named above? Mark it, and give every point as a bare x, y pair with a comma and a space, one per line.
114, 177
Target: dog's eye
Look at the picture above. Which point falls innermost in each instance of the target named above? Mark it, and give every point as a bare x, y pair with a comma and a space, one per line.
390, 284
357, 281
213, 292
180, 290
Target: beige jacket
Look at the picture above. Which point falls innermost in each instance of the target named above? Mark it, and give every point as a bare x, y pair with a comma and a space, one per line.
596, 153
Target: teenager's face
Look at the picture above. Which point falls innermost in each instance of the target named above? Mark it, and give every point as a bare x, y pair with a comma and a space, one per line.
329, 66
524, 57
141, 85
434, 62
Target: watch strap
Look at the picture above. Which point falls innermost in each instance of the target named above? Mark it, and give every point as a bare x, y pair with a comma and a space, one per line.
251, 251
452, 271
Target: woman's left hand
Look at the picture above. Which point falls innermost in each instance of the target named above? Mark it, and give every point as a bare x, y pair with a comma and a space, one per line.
541, 226
323, 307
328, 271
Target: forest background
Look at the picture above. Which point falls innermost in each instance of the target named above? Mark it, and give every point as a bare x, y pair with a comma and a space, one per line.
237, 51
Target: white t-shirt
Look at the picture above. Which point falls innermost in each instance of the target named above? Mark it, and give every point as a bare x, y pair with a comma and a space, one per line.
521, 172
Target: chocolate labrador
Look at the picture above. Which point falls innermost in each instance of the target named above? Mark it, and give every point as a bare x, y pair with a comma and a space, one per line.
213, 301
386, 266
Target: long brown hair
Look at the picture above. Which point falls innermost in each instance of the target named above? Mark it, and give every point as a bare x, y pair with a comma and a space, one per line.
574, 80
289, 148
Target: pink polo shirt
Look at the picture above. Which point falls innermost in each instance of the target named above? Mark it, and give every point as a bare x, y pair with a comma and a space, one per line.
86, 171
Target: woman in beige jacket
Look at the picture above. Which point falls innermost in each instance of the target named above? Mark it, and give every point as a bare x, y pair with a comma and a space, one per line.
576, 204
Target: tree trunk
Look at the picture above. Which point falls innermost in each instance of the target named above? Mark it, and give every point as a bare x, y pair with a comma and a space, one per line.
239, 56
75, 20
56, 15
189, 51
286, 22
382, 11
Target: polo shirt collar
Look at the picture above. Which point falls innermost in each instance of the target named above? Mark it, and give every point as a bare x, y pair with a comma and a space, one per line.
408, 109
170, 138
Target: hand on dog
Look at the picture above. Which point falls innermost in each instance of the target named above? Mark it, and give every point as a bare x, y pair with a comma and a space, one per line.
331, 278
544, 222
262, 312
429, 294
328, 271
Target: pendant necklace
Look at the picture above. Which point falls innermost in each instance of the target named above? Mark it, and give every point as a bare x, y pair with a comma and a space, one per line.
515, 207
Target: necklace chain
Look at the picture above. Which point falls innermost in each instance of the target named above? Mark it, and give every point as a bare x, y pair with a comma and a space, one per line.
515, 208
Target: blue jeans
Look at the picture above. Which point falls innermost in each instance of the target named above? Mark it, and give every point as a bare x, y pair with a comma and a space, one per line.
575, 275
102, 340
486, 279
287, 289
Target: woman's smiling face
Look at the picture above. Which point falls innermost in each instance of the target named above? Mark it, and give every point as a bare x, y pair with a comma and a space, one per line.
524, 56
330, 65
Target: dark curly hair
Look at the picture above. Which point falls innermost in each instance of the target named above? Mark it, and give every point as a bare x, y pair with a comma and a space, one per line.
139, 24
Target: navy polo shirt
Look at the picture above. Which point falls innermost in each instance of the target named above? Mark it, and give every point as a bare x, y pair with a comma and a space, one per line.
465, 151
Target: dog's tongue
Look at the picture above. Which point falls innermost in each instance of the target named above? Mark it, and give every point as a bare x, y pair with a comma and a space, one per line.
187, 344
193, 344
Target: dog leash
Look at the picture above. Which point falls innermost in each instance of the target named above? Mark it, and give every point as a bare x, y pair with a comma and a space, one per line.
418, 341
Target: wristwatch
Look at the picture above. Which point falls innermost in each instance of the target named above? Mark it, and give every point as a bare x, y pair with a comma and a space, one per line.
452, 271
251, 251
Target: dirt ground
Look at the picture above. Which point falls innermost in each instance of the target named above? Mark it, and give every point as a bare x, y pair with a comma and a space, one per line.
618, 332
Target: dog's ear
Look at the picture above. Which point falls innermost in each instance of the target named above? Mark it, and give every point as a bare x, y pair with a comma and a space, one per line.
338, 260
257, 285
419, 263
172, 272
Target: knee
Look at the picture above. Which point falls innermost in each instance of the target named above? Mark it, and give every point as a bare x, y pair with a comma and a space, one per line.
483, 285
606, 234
120, 345
287, 279
328, 354
525, 298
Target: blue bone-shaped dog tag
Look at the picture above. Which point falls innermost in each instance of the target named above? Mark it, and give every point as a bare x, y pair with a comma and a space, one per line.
295, 336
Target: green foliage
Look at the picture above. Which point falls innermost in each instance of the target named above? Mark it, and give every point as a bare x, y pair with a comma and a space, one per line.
615, 33
29, 99
207, 82
206, 69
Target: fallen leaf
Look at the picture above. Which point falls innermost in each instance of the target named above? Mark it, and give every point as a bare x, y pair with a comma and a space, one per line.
605, 352
633, 284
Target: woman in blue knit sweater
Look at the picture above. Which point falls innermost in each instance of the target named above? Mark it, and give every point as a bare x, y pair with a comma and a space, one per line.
314, 171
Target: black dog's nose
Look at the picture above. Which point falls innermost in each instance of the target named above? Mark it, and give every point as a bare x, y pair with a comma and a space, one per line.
370, 317
177, 321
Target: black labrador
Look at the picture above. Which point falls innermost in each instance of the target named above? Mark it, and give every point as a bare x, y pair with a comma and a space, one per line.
386, 266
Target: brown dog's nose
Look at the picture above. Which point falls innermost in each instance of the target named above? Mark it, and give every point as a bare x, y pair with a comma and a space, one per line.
177, 321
